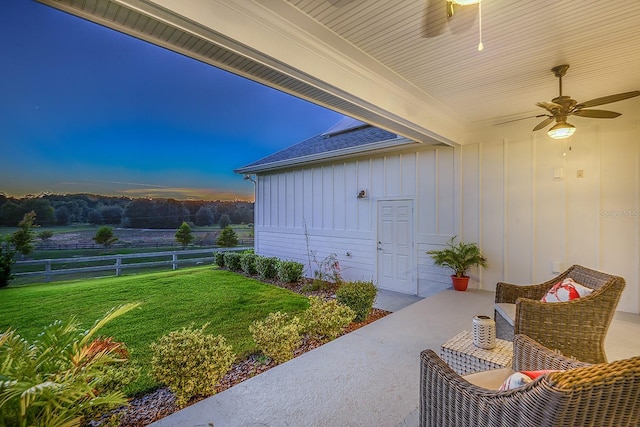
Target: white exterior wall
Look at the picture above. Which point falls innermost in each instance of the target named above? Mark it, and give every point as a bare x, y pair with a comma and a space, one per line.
525, 219
499, 192
322, 200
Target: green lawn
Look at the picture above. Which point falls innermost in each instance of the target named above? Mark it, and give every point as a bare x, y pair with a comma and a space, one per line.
170, 300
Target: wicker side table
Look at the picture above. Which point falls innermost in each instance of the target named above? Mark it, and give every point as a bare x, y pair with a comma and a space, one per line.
465, 358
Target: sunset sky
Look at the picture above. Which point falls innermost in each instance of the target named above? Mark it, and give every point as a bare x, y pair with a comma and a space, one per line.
85, 109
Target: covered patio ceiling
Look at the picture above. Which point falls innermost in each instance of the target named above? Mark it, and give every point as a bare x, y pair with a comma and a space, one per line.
400, 65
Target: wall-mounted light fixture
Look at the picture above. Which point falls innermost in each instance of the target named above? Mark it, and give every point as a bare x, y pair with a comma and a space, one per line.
362, 194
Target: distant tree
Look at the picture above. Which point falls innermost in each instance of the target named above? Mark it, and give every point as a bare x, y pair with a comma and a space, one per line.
11, 213
6, 261
45, 234
204, 216
22, 239
228, 238
224, 221
140, 212
111, 215
63, 215
184, 235
45, 213
104, 236
95, 217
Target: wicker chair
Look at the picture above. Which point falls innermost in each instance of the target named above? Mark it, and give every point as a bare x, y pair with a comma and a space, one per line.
580, 395
576, 328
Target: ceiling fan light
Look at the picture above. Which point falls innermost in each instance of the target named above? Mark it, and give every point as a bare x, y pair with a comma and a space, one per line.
465, 2
561, 130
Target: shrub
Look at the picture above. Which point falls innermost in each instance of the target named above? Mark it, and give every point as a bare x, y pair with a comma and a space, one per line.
227, 238
248, 262
6, 262
232, 261
266, 267
183, 235
219, 258
56, 378
326, 318
277, 336
190, 362
104, 236
290, 271
113, 379
359, 296
22, 238
45, 234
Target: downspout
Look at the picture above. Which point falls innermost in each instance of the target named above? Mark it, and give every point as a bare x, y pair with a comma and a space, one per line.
249, 177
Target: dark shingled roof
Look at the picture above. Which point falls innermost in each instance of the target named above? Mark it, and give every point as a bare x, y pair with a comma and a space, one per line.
328, 142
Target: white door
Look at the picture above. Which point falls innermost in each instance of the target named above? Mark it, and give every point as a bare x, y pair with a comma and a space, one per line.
395, 246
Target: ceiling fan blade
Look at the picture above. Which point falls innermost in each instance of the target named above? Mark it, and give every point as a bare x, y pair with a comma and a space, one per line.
435, 18
543, 123
596, 114
549, 106
521, 118
463, 18
608, 99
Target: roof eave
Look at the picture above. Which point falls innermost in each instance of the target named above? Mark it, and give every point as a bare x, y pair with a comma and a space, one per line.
379, 146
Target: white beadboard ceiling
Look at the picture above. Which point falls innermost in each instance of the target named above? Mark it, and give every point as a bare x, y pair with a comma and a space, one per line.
523, 39
411, 45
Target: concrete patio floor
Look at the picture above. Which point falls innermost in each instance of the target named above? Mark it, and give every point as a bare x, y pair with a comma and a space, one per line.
368, 377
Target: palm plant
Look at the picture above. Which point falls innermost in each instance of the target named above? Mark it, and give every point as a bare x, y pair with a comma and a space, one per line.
54, 379
458, 257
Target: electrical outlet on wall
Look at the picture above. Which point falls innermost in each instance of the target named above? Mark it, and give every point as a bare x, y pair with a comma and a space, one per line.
580, 173
558, 174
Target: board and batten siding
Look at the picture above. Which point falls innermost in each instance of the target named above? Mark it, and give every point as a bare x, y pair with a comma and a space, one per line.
308, 213
534, 205
537, 205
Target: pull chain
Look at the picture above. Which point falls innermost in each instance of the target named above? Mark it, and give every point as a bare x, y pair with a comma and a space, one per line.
480, 45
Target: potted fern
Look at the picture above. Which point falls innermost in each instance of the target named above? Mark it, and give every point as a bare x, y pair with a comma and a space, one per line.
459, 257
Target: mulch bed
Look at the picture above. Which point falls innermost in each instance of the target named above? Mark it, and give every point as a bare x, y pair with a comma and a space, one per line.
160, 403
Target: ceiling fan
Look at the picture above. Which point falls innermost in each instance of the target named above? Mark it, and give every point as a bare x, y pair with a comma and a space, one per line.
564, 106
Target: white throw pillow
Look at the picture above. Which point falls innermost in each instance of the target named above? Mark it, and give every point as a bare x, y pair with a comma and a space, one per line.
519, 379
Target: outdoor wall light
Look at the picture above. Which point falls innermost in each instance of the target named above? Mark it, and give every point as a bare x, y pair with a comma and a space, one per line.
561, 130
362, 194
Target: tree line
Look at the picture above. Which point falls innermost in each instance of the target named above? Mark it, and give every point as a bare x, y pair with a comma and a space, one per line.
160, 213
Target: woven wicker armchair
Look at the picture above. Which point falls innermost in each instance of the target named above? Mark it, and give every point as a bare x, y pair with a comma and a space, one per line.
575, 328
580, 395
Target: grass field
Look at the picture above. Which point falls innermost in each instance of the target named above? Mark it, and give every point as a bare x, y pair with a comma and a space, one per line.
82, 234
230, 302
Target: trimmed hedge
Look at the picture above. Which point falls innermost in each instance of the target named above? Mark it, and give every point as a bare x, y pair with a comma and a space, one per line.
359, 296
290, 271
232, 261
267, 267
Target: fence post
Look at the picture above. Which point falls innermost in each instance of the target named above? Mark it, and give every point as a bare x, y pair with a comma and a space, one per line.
174, 257
47, 271
118, 265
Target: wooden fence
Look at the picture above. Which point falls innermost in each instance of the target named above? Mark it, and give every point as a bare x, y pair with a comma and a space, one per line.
117, 263
47, 246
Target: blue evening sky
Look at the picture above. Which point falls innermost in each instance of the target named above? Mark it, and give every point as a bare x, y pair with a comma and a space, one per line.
85, 109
